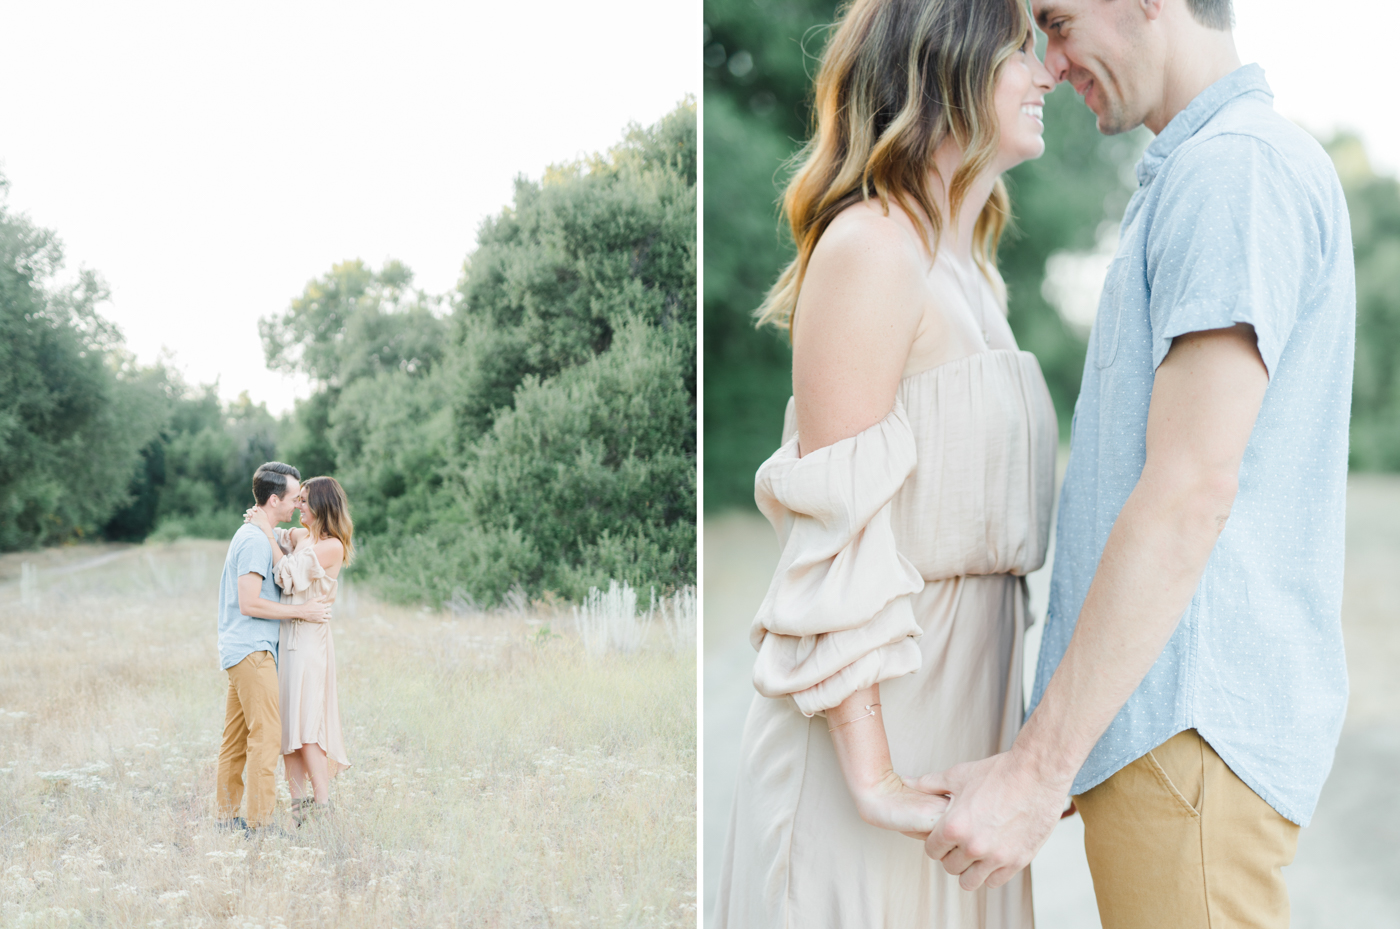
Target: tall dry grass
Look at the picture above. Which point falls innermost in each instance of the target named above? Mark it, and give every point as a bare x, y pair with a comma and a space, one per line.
502, 776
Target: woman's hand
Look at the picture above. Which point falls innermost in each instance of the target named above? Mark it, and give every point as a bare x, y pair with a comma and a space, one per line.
258, 518
897, 804
882, 797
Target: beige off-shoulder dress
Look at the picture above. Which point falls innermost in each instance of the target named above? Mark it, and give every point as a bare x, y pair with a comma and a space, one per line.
903, 554
306, 659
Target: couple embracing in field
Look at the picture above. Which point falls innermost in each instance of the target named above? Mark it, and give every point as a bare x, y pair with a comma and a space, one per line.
1191, 684
275, 643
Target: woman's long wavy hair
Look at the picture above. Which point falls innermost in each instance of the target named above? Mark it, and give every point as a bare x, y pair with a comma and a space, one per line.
330, 512
897, 79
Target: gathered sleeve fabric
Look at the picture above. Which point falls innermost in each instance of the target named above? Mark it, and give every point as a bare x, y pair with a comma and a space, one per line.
837, 617
300, 575
284, 540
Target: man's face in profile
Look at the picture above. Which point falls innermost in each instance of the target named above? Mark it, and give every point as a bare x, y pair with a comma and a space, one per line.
280, 508
1098, 46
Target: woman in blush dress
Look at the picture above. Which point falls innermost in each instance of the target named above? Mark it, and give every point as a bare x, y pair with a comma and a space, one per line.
912, 490
313, 750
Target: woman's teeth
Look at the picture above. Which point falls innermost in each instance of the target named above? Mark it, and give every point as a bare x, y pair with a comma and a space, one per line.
1035, 111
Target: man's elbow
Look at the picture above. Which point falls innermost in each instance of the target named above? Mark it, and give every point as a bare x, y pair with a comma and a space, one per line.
1200, 497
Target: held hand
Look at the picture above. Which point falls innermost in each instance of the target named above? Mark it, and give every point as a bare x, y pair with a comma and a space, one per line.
898, 804
258, 518
315, 611
1001, 814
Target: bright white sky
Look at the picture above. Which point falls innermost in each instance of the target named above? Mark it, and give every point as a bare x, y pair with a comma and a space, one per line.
1331, 65
210, 159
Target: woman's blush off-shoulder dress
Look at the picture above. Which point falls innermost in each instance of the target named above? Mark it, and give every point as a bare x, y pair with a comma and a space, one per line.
306, 659
904, 551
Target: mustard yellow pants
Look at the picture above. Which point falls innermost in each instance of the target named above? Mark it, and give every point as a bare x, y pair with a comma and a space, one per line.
1176, 841
252, 737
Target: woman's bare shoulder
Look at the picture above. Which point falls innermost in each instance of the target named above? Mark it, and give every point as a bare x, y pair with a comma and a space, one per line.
865, 240
858, 313
330, 551
867, 269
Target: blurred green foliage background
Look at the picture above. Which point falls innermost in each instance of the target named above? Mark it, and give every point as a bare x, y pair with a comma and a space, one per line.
534, 428
759, 61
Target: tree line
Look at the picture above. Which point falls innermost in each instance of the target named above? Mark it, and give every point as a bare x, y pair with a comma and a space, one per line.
533, 429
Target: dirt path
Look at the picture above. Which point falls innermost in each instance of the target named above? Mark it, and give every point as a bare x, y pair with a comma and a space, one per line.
51, 562
1344, 874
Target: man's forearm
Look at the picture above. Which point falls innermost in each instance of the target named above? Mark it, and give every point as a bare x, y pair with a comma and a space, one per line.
262, 608
1151, 566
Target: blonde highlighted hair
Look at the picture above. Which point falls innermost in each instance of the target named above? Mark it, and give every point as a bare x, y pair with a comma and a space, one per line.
897, 79
330, 512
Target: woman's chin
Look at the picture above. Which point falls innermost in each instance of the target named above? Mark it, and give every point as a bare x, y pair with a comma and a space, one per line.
1028, 151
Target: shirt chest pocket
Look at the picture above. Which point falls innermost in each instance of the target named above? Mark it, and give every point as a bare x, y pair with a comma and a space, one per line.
1108, 322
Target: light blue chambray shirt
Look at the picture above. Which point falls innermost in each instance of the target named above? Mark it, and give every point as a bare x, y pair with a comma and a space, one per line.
1238, 218
239, 635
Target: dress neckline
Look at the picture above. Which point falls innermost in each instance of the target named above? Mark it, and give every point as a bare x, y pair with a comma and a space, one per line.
964, 358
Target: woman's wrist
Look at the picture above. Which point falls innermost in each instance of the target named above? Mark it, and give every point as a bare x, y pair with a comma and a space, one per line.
857, 728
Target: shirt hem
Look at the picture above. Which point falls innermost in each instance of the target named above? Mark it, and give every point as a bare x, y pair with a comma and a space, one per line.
226, 664
1085, 782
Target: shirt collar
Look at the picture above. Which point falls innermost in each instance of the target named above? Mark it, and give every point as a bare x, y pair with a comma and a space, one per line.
1243, 80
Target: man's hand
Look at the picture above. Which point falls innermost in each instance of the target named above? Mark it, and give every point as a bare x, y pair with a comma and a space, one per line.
251, 602
1002, 812
314, 611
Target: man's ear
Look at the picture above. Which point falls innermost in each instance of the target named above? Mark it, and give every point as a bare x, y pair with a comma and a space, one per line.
1152, 9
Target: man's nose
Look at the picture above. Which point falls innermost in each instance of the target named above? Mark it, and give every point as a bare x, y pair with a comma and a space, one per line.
1056, 62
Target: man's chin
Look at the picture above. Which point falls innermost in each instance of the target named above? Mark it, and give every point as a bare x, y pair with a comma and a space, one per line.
1113, 123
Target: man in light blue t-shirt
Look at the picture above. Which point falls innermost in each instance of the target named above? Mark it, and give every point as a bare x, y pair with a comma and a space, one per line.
250, 617
1191, 684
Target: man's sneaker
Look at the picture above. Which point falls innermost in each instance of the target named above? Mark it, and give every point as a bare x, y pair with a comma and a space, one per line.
237, 824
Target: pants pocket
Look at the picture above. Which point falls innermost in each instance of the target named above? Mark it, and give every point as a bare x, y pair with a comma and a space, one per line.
1179, 767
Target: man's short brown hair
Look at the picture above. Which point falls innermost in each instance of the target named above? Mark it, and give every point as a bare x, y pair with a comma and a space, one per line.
1217, 14
271, 478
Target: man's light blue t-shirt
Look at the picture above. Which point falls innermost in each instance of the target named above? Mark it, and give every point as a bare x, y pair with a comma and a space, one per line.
1239, 218
239, 635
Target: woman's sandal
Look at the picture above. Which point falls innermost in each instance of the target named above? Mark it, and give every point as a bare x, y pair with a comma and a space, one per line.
309, 812
302, 810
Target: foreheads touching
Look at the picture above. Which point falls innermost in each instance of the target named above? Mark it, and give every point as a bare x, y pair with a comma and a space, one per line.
276, 483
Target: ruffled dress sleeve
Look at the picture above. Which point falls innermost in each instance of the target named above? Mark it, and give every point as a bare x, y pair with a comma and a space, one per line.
296, 573
837, 617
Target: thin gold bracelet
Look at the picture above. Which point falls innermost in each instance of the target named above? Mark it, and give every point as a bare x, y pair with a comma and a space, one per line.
868, 706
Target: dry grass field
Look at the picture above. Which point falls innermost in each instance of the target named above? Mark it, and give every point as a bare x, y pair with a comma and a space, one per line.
502, 776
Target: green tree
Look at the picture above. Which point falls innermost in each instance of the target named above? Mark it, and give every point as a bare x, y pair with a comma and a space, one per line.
543, 434
67, 391
1373, 201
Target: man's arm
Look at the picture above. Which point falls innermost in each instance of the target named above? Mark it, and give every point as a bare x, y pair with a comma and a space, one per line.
252, 603
1205, 397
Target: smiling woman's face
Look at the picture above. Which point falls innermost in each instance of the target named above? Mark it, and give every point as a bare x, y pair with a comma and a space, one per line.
303, 509
1021, 87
